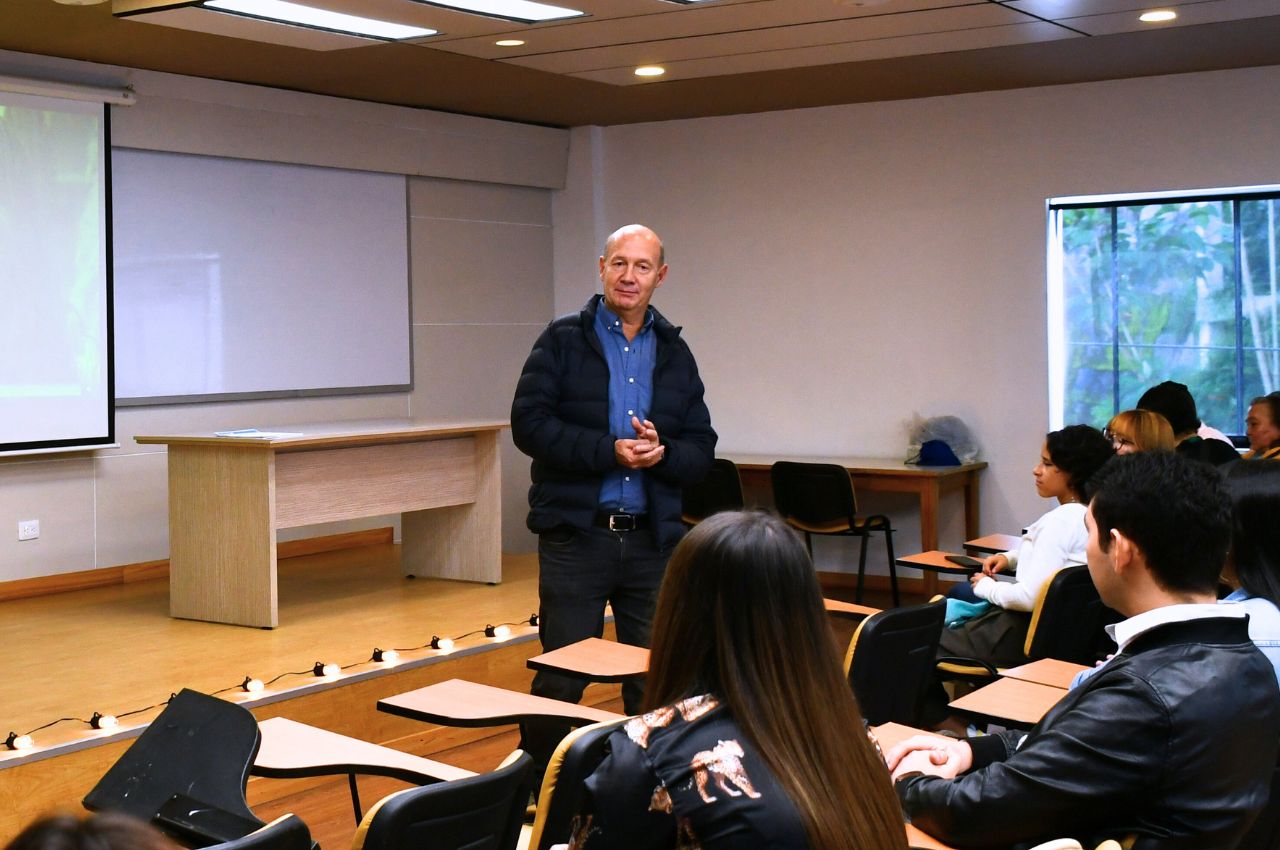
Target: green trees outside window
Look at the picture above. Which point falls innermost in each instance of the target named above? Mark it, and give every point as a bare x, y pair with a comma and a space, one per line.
1182, 289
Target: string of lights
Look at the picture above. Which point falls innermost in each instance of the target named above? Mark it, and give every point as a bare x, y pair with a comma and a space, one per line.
251, 685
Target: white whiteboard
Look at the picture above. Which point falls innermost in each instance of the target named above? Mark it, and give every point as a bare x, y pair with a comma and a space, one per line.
238, 278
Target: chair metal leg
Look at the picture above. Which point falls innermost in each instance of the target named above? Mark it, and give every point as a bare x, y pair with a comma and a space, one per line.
355, 797
893, 564
862, 569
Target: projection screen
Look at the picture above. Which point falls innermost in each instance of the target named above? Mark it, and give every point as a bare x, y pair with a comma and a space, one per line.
55, 275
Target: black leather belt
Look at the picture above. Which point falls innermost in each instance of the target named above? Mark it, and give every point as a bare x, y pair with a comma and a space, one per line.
621, 522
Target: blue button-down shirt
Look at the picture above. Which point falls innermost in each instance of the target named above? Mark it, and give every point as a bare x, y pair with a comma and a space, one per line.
630, 393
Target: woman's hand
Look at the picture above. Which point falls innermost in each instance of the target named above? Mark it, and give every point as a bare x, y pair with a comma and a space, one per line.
993, 564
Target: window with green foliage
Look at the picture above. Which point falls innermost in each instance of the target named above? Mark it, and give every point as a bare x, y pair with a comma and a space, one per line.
1181, 288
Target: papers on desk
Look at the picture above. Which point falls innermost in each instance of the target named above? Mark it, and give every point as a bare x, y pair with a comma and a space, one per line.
255, 434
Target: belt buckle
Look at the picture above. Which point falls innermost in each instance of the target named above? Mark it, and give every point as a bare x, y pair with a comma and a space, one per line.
622, 522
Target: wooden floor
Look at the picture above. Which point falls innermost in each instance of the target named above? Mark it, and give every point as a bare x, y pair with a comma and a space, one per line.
115, 649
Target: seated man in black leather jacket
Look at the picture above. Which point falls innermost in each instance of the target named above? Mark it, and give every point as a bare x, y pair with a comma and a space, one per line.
1173, 741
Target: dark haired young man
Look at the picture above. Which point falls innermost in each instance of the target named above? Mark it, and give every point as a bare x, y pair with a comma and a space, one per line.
1173, 741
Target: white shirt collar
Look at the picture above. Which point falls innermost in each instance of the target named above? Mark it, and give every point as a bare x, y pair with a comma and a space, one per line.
1126, 631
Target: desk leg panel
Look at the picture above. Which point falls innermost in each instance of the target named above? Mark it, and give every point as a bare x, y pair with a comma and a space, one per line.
222, 537
465, 541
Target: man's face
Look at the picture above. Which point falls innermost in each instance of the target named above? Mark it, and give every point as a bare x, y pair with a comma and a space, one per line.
631, 271
1101, 566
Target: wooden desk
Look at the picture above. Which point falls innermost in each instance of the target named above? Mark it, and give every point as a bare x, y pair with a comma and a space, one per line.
1012, 700
993, 544
1046, 671
851, 610
934, 561
596, 660
460, 703
291, 749
229, 495
885, 475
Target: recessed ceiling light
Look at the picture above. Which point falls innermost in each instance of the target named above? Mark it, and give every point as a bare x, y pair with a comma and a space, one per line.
1158, 16
650, 71
282, 11
524, 11
509, 42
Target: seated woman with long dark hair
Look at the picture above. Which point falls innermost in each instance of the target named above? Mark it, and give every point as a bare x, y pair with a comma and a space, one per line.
753, 739
1057, 539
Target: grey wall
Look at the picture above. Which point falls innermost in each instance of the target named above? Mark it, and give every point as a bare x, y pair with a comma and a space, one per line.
839, 270
480, 257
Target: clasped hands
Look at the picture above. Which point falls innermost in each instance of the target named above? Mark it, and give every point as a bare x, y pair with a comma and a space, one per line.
934, 755
643, 451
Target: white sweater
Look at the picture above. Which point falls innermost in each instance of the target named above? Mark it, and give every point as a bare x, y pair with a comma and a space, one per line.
1054, 541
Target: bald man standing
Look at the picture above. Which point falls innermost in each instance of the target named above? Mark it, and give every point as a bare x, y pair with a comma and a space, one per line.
610, 408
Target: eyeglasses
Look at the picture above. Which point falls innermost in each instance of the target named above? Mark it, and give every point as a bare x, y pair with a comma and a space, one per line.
1118, 441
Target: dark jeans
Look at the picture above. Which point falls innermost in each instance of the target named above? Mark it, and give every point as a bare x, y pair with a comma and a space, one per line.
579, 570
963, 591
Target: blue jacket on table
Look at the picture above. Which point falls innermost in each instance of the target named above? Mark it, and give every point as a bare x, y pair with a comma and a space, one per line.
1173, 742
560, 418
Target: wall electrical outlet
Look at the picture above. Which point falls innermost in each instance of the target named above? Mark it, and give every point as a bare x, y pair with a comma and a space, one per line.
28, 529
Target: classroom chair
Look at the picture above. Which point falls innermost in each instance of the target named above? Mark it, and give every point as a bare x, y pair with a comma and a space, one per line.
286, 832
576, 758
1067, 624
720, 490
194, 757
482, 812
818, 498
890, 661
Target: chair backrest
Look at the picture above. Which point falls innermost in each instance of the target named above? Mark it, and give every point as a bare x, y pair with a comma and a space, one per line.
199, 747
286, 832
815, 497
720, 490
890, 662
1068, 619
576, 758
477, 813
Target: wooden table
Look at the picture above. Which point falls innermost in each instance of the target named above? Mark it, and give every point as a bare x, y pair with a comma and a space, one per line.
1046, 671
886, 475
935, 561
595, 660
291, 749
993, 544
457, 702
229, 495
1013, 700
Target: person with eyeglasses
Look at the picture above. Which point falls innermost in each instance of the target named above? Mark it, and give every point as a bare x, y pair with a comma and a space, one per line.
1140, 431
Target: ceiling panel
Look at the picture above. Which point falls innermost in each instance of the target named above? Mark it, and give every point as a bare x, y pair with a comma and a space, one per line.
775, 41
439, 73
1189, 14
681, 22
883, 48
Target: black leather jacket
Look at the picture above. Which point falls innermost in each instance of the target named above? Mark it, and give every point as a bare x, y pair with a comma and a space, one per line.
1174, 742
560, 418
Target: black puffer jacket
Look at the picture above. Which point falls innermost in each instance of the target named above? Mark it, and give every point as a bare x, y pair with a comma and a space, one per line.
560, 418
1173, 741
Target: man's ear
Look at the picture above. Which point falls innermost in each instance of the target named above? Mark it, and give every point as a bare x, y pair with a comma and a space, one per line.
1123, 552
